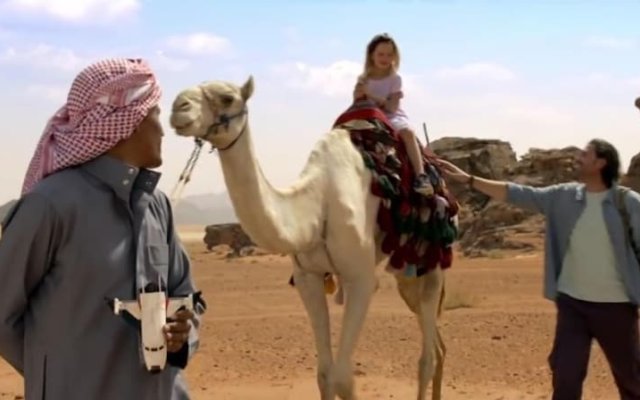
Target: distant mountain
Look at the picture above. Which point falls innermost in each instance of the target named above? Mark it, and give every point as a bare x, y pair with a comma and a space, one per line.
203, 209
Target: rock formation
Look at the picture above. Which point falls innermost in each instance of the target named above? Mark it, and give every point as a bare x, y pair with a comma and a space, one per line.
632, 177
545, 167
490, 159
230, 235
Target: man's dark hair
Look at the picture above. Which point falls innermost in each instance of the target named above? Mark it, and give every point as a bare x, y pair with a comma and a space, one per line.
610, 173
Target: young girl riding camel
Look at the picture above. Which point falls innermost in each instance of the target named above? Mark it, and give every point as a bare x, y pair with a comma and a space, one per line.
381, 83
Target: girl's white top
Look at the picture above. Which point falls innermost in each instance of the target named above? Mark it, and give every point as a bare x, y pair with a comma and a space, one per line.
385, 87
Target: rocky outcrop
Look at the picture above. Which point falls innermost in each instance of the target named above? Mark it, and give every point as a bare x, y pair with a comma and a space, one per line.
632, 177
501, 226
231, 235
481, 157
545, 167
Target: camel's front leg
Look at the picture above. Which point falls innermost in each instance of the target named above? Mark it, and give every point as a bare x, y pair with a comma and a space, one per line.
311, 289
431, 362
359, 291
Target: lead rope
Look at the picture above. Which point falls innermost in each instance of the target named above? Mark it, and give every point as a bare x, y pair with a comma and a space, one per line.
185, 176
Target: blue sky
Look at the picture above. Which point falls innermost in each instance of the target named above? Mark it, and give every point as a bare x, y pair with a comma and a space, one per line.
536, 74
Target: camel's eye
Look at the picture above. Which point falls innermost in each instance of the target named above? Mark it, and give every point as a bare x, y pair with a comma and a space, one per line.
226, 100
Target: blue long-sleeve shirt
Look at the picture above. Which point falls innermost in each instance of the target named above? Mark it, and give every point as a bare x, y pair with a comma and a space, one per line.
562, 205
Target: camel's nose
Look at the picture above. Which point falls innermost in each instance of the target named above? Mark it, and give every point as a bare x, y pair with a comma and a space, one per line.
638, 103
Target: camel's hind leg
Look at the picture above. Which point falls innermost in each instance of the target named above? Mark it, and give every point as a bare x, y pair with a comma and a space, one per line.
310, 286
424, 297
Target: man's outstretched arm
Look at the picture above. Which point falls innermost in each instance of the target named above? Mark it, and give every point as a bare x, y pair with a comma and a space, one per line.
533, 198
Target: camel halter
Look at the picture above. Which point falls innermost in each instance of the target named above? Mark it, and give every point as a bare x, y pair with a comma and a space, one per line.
185, 176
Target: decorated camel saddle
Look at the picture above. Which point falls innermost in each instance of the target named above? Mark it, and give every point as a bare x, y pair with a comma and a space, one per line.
418, 230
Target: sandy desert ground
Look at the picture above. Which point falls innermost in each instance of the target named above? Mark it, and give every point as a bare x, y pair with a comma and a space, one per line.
257, 345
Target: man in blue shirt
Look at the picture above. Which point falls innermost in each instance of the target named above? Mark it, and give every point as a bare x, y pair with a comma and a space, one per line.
591, 271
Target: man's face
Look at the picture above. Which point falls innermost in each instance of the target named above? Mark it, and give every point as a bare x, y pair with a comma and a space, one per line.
588, 163
146, 141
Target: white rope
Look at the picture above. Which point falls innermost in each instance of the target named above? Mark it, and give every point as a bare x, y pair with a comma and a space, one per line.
185, 176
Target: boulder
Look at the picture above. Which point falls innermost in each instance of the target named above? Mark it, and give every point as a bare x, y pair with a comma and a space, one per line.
486, 158
231, 235
545, 167
501, 226
632, 177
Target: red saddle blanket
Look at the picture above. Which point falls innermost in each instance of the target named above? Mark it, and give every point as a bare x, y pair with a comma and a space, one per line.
418, 230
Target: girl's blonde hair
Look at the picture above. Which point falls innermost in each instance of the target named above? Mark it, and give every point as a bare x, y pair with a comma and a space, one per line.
371, 47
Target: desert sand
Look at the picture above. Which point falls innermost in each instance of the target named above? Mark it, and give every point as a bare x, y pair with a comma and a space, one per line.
257, 344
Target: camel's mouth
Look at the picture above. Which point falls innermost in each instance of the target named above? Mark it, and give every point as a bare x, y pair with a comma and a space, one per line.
182, 123
183, 126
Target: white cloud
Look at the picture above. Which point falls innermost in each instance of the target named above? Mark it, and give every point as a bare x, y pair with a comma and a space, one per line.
163, 61
43, 56
199, 43
5, 34
608, 83
539, 113
635, 82
74, 10
336, 79
609, 43
479, 71
53, 93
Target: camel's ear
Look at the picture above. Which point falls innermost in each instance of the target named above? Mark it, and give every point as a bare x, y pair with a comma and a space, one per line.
247, 88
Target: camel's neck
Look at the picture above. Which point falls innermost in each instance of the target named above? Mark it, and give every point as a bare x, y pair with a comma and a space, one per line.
285, 221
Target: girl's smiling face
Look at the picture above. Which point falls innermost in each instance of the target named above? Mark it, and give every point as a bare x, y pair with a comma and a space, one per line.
383, 56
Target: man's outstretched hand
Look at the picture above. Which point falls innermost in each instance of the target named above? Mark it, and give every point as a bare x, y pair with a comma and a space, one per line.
452, 171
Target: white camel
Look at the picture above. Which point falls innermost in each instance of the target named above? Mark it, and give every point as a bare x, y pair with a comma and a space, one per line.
326, 221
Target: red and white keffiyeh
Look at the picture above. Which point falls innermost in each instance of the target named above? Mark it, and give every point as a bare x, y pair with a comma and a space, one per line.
106, 103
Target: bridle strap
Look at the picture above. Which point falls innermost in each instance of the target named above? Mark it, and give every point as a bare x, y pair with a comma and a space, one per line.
224, 121
234, 141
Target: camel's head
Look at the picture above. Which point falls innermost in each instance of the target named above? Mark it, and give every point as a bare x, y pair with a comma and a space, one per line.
638, 103
214, 111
